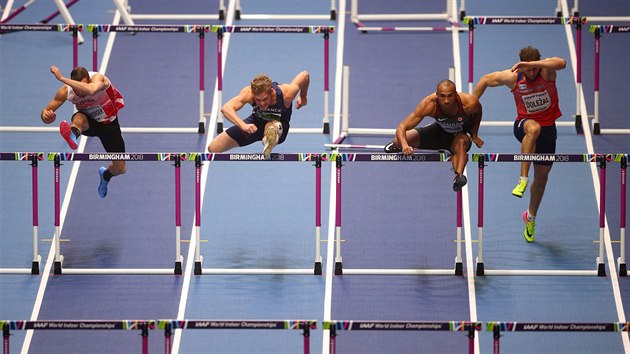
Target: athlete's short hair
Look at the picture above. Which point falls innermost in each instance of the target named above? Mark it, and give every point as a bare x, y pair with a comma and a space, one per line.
529, 53
79, 73
261, 83
446, 83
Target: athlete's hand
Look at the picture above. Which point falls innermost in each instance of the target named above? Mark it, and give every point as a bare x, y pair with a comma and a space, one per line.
477, 141
48, 116
55, 71
300, 102
249, 128
407, 150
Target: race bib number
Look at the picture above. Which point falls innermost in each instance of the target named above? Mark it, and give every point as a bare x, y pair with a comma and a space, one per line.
537, 102
95, 113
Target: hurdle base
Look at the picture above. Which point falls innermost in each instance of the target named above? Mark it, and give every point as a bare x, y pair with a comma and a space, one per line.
198, 268
462, 15
459, 268
237, 14
318, 268
35, 268
178, 268
57, 269
219, 127
596, 129
333, 15
623, 271
579, 129
601, 268
221, 15
480, 269
338, 268
326, 128
201, 129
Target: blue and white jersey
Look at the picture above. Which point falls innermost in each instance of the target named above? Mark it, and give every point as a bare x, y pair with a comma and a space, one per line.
277, 112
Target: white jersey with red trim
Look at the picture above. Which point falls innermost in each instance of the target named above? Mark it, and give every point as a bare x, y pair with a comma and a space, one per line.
103, 106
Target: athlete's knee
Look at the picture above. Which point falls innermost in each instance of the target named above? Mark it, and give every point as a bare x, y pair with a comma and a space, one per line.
533, 129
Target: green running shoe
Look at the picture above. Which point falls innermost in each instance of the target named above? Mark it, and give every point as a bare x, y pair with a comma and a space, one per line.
530, 226
520, 188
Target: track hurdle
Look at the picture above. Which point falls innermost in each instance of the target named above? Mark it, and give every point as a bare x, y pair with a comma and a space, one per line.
440, 157
238, 14
531, 20
7, 15
597, 30
125, 13
576, 11
65, 325
199, 158
95, 29
75, 29
136, 157
450, 326
325, 30
169, 325
346, 130
447, 15
34, 158
588, 158
497, 327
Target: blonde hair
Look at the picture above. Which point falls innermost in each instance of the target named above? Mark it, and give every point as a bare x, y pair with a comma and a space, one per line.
261, 83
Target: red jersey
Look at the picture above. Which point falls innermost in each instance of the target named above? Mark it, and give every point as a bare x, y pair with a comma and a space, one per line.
537, 100
102, 107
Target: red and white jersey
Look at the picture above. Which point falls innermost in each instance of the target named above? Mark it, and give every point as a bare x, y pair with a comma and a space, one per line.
537, 100
102, 107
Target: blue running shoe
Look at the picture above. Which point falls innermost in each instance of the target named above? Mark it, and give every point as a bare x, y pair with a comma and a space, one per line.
68, 135
102, 186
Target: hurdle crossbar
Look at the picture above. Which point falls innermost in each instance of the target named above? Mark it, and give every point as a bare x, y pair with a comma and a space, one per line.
588, 158
128, 17
454, 27
238, 14
339, 159
597, 30
201, 30
137, 325
200, 158
448, 326
305, 325
34, 158
325, 30
498, 327
136, 157
39, 27
530, 20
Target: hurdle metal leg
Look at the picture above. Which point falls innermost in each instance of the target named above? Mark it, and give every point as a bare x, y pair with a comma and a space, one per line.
318, 215
36, 256
601, 267
623, 272
338, 259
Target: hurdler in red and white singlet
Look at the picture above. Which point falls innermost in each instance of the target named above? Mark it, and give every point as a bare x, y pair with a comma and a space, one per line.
537, 100
102, 107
